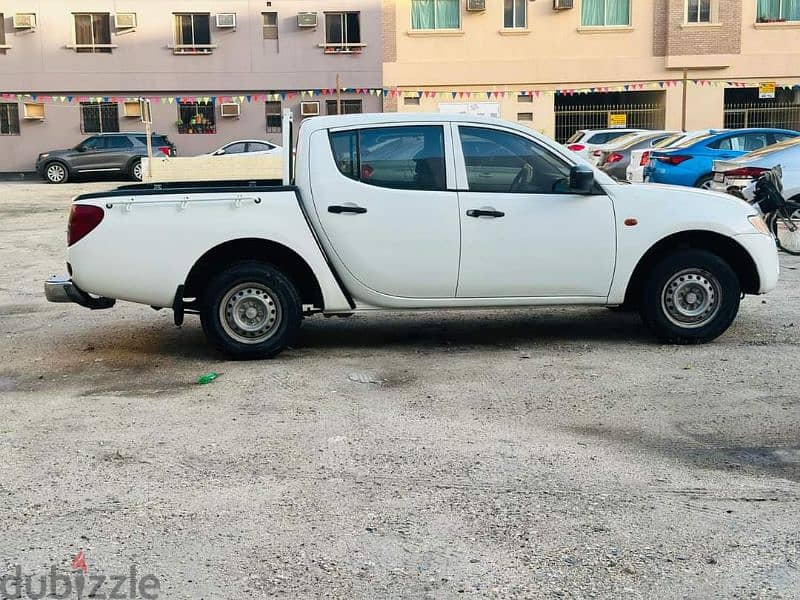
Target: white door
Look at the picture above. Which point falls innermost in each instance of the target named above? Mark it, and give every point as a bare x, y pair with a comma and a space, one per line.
523, 233
381, 197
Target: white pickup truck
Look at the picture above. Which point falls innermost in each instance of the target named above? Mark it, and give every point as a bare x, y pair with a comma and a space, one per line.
414, 211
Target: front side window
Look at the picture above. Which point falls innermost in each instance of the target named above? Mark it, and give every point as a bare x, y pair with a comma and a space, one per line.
94, 143
9, 119
409, 157
349, 107
92, 32
342, 29
698, 11
435, 14
192, 33
237, 148
503, 162
770, 11
605, 13
274, 119
99, 117
196, 118
515, 15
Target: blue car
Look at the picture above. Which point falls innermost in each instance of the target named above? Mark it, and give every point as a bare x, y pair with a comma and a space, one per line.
690, 163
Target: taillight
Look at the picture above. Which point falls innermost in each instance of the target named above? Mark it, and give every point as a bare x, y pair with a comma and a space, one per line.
82, 220
673, 160
645, 159
165, 150
745, 172
576, 147
614, 157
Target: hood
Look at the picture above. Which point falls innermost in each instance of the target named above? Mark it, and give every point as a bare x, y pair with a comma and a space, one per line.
61, 152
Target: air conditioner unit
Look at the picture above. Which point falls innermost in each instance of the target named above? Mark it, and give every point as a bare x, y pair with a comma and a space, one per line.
230, 109
309, 109
563, 4
226, 21
476, 5
125, 21
307, 19
25, 21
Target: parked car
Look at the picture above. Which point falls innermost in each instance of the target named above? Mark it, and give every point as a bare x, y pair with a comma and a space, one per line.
732, 176
615, 157
640, 158
584, 141
596, 154
250, 147
102, 153
416, 211
691, 163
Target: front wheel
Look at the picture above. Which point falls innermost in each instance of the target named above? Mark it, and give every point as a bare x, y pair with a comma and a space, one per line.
56, 172
250, 311
690, 297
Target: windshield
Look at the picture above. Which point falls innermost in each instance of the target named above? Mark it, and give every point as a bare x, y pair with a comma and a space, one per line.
668, 141
575, 137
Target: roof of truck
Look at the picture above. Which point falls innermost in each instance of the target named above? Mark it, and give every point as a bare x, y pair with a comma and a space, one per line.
386, 118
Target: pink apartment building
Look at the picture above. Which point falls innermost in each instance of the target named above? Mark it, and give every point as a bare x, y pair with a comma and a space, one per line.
215, 70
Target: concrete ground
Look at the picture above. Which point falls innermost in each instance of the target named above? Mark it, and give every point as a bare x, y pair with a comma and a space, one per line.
525, 453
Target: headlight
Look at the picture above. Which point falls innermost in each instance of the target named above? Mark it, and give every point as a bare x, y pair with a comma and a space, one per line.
759, 225
43, 155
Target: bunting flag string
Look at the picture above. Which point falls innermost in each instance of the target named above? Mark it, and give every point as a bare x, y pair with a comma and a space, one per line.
389, 92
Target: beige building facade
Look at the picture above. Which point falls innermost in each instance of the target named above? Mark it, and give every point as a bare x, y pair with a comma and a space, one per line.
560, 65
68, 68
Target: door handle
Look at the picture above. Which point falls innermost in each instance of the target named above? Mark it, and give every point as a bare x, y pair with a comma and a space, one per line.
356, 210
495, 214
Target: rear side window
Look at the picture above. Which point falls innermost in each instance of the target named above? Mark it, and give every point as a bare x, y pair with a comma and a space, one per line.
119, 142
409, 157
746, 142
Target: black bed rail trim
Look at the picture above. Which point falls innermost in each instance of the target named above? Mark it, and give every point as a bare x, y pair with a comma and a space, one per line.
207, 188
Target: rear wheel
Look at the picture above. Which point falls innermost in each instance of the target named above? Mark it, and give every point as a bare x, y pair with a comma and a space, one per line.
251, 310
136, 170
785, 226
705, 182
56, 172
690, 297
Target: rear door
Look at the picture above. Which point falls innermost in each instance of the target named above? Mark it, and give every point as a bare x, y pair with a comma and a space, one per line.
523, 233
119, 152
389, 216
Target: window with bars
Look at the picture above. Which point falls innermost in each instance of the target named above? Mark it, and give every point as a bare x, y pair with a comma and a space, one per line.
270, 24
93, 32
349, 107
274, 119
343, 30
515, 14
698, 11
9, 119
196, 118
99, 117
193, 33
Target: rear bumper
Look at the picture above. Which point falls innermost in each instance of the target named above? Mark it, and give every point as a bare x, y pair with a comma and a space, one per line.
61, 289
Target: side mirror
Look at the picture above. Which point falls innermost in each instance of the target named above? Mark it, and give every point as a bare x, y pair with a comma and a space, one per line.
581, 180
219, 152
81, 148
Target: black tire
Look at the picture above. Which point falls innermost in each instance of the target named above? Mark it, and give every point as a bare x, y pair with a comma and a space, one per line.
704, 182
262, 289
132, 169
686, 281
56, 172
792, 211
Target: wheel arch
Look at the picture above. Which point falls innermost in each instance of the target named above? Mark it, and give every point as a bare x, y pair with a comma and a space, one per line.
283, 258
723, 246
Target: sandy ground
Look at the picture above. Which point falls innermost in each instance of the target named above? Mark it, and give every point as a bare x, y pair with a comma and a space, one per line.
525, 453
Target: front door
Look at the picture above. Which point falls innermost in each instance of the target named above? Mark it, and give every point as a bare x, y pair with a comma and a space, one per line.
523, 233
381, 197
90, 157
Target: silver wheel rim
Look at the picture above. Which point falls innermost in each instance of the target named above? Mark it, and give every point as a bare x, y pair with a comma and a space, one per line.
55, 173
691, 298
137, 171
250, 314
706, 185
